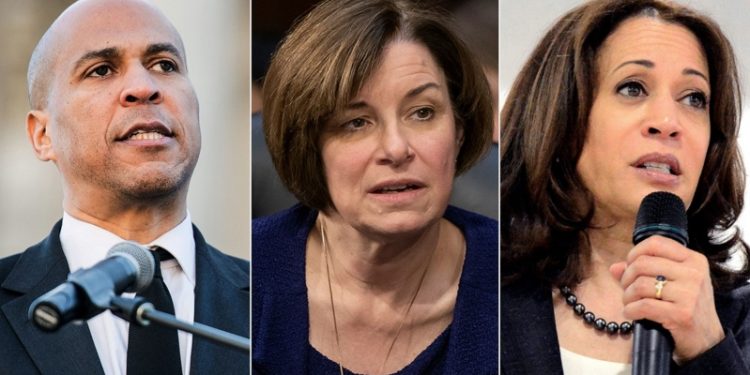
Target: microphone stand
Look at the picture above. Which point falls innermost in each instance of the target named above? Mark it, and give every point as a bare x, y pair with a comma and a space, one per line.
139, 311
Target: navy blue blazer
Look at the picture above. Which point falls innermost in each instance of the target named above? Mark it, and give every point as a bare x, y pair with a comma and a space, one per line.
280, 307
221, 301
529, 343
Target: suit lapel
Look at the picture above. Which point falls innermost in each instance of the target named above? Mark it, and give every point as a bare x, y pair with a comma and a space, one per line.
67, 351
222, 300
528, 333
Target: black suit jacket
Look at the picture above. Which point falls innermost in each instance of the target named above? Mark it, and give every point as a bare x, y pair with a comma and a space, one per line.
529, 343
221, 301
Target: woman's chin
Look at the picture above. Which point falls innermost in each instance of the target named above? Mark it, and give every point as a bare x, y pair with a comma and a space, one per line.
395, 224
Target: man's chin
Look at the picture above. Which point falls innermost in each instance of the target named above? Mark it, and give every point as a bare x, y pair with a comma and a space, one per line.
154, 188
154, 181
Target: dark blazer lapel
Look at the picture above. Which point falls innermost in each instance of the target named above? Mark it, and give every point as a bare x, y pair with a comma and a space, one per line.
67, 351
222, 300
529, 337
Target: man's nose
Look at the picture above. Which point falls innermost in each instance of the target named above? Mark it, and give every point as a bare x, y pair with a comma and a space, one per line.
140, 87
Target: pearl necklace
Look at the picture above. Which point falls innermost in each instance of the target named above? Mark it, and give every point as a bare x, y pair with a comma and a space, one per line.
589, 318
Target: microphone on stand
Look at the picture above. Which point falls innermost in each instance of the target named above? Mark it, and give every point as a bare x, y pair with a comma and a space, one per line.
129, 267
663, 214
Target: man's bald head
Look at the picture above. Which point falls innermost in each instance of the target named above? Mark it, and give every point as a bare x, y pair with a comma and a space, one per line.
83, 16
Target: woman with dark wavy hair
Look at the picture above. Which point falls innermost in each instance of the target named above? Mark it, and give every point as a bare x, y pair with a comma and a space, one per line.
619, 99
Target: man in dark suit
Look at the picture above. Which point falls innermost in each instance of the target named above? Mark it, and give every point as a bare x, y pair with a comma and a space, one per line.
113, 108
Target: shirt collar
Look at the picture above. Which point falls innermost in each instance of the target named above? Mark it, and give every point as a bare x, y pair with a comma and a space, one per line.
85, 244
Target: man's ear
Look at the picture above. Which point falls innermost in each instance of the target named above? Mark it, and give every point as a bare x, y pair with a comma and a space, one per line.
36, 129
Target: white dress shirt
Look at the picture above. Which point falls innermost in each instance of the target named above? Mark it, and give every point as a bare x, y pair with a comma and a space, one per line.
85, 244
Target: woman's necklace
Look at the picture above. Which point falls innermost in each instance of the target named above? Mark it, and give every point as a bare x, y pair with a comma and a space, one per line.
612, 328
328, 255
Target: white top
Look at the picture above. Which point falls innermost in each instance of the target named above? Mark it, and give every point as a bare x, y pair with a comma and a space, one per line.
577, 364
85, 244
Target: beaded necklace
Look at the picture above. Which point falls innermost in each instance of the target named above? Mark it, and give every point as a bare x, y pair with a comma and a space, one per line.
590, 318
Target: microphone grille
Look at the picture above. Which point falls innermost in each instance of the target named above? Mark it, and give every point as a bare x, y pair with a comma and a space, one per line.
143, 262
662, 207
661, 210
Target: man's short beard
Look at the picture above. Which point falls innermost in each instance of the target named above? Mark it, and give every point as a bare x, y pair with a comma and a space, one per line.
155, 189
152, 187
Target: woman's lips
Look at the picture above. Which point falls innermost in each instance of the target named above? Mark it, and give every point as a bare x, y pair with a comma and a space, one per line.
397, 191
393, 189
660, 163
658, 169
395, 186
657, 176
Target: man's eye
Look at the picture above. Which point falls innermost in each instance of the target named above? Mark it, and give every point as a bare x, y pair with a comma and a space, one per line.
166, 66
101, 71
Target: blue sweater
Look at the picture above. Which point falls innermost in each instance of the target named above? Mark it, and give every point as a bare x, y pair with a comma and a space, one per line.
280, 315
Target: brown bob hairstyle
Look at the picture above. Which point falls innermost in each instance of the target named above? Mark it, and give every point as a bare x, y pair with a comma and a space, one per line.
546, 208
326, 59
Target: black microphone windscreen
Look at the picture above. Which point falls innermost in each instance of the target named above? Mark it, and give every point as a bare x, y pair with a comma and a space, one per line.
661, 213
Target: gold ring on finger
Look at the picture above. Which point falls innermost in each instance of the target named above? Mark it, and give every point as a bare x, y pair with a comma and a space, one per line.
659, 285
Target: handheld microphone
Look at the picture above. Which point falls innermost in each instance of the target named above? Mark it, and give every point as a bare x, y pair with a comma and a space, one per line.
663, 214
128, 267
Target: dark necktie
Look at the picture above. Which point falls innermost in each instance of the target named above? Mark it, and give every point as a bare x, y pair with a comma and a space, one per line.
154, 349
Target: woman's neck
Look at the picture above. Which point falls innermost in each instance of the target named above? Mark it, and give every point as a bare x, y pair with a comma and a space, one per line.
601, 294
377, 265
610, 240
390, 292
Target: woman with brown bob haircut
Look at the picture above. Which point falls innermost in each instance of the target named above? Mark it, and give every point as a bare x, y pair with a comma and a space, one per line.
622, 98
371, 108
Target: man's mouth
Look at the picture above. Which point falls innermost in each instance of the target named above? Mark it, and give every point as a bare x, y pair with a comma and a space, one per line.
142, 135
153, 131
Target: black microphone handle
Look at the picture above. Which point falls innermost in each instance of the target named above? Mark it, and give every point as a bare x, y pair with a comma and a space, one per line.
660, 214
652, 348
652, 343
84, 295
87, 292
